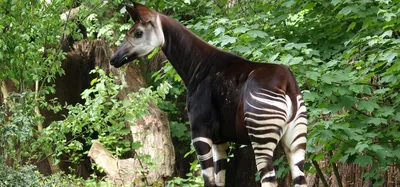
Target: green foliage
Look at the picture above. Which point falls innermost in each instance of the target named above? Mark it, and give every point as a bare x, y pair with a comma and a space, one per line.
174, 101
17, 126
344, 55
26, 32
24, 177
30, 53
191, 180
29, 176
102, 113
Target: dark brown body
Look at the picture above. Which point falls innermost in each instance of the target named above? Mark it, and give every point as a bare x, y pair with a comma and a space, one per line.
227, 88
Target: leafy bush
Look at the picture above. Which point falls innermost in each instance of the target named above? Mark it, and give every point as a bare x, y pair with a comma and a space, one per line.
102, 113
29, 176
24, 177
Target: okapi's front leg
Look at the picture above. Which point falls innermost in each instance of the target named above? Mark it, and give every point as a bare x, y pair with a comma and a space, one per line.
203, 147
202, 117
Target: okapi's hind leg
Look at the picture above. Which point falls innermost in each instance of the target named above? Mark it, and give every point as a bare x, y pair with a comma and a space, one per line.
294, 144
220, 156
266, 116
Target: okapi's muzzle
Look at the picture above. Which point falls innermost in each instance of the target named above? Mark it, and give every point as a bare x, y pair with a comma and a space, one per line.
120, 58
115, 62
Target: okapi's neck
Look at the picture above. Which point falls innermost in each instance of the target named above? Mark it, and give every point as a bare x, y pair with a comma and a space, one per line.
192, 57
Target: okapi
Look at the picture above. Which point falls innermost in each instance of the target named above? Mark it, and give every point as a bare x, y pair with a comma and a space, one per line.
229, 99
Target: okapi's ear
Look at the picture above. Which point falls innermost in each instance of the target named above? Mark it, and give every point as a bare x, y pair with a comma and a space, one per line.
140, 12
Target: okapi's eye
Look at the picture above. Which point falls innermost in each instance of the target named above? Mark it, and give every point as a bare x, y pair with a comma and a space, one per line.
137, 33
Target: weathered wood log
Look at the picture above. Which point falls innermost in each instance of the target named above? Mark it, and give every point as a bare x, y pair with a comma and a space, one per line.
120, 172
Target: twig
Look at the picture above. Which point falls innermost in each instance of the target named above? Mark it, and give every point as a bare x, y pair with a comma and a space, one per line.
220, 7
69, 141
319, 173
361, 112
141, 165
59, 49
248, 4
336, 172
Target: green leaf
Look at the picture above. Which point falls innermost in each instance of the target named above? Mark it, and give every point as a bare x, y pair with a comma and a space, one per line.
241, 49
310, 96
296, 60
219, 30
256, 33
368, 105
345, 11
381, 91
273, 58
126, 103
347, 101
227, 40
351, 26
397, 153
385, 111
289, 3
387, 33
344, 158
291, 46
335, 2
155, 50
328, 78
363, 160
286, 59
372, 42
388, 56
377, 121
136, 145
397, 116
356, 88
376, 147
313, 75
240, 30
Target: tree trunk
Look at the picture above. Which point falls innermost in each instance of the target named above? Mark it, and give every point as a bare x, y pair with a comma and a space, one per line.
4, 91
241, 171
152, 131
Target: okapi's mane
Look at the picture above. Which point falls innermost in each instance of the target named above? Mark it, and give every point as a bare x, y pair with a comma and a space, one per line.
191, 52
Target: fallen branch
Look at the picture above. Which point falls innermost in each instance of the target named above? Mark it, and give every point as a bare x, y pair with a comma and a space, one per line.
120, 171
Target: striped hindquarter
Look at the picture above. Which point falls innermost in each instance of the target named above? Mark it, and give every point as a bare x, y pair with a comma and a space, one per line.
267, 115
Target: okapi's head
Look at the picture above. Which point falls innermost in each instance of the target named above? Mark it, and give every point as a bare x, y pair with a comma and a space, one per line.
143, 37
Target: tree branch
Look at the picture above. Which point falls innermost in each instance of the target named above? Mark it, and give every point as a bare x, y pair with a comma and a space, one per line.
336, 172
319, 173
361, 112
